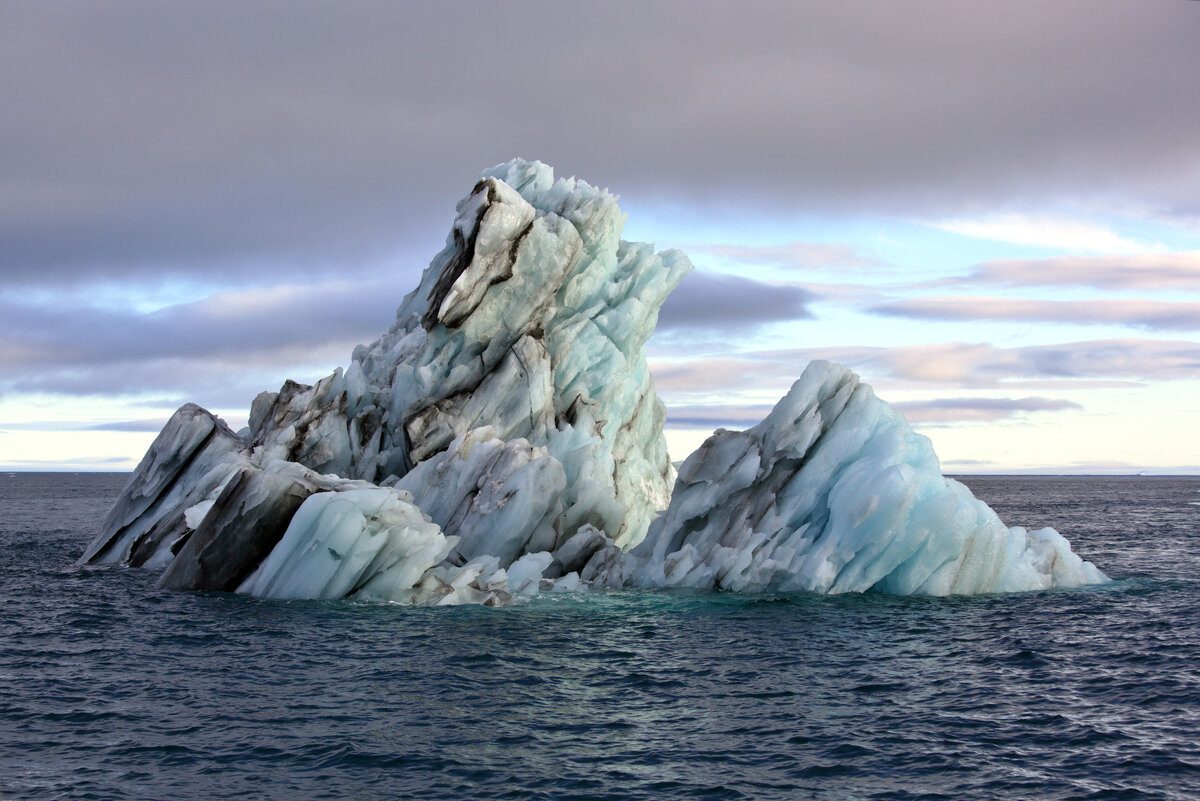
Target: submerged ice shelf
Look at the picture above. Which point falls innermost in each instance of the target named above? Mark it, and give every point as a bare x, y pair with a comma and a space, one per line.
504, 437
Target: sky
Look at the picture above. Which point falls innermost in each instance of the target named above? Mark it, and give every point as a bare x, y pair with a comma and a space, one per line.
989, 210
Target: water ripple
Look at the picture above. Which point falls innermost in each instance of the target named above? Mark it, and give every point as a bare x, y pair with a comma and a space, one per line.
110, 689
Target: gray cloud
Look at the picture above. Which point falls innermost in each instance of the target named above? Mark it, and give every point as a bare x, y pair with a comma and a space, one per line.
959, 410
1143, 271
213, 383
726, 302
295, 319
225, 348
974, 466
144, 426
711, 375
939, 410
1156, 315
716, 416
983, 365
226, 343
1070, 365
144, 139
84, 463
219, 352
50, 425
794, 255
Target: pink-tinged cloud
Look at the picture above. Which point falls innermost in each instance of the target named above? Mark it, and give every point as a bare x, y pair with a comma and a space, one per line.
719, 302
1042, 231
146, 426
1151, 314
1072, 365
794, 255
718, 375
716, 416
983, 365
1144, 271
939, 410
239, 325
966, 467
219, 351
961, 410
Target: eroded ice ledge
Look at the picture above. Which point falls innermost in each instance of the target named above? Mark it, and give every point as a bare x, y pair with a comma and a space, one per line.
504, 437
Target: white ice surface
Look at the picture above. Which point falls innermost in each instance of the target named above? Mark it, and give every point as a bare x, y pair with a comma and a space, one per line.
834, 492
375, 545
503, 437
342, 544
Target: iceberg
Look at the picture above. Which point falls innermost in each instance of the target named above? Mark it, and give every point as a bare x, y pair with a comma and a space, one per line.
503, 437
509, 406
834, 492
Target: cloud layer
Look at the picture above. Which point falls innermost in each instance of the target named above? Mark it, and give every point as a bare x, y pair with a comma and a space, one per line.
939, 410
1040, 231
216, 350
725, 302
1089, 363
960, 410
794, 255
1143, 271
144, 138
1156, 315
275, 158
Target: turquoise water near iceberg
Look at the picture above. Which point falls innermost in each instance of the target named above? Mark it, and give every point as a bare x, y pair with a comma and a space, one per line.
110, 689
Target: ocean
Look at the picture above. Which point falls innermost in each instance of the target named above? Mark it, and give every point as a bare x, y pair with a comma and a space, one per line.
110, 689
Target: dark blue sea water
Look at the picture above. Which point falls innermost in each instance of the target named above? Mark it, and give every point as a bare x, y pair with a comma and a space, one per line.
110, 689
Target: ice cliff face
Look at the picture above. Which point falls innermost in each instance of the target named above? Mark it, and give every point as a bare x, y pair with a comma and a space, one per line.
504, 437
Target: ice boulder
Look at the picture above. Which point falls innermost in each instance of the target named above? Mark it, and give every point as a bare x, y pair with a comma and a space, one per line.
833, 492
372, 542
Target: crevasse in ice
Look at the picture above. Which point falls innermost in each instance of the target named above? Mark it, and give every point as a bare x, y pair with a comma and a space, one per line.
504, 437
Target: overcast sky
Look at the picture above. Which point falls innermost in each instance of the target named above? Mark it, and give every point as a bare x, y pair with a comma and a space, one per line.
988, 209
